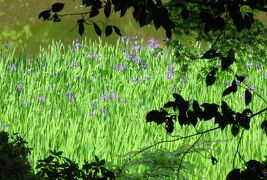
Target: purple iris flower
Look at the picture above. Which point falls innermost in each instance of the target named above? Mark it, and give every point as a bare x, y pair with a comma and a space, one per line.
263, 74
104, 96
113, 96
7, 45
252, 88
137, 47
176, 88
135, 38
77, 44
104, 110
249, 65
227, 83
185, 80
4, 125
74, 64
71, 96
19, 86
92, 56
41, 98
23, 102
95, 105
13, 67
169, 74
144, 66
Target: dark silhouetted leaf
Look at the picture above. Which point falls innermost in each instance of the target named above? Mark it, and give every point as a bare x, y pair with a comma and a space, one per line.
178, 98
235, 130
169, 104
240, 78
97, 4
123, 11
117, 30
57, 7
182, 119
97, 29
108, 30
115, 2
87, 2
107, 9
214, 161
156, 116
169, 126
243, 120
248, 97
93, 13
81, 29
211, 53
156, 20
264, 126
253, 165
45, 15
197, 110
227, 91
210, 110
227, 61
192, 118
233, 175
210, 79
56, 18
247, 112
234, 86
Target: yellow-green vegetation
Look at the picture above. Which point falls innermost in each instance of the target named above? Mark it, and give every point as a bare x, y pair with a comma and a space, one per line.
93, 99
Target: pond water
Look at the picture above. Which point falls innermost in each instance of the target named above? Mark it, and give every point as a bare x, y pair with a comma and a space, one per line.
21, 28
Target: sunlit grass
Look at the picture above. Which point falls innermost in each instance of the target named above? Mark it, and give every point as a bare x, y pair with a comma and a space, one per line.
93, 99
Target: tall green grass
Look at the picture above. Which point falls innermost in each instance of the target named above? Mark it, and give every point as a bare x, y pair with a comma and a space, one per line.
55, 104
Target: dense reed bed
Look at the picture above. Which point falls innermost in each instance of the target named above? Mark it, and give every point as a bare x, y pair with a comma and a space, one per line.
93, 98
